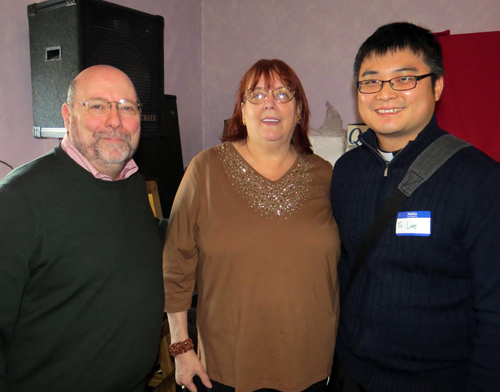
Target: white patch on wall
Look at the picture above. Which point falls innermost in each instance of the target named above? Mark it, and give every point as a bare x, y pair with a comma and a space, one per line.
329, 141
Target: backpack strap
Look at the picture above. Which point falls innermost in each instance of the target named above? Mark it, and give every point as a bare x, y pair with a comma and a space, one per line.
426, 164
431, 159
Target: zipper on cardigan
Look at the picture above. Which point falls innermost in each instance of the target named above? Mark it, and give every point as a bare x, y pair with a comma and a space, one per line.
377, 153
386, 168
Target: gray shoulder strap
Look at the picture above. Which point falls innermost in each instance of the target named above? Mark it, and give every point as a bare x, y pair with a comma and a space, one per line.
422, 168
429, 161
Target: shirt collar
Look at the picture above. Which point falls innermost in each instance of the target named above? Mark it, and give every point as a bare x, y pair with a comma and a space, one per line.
66, 144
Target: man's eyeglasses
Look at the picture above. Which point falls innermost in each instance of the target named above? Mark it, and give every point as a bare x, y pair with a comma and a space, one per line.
399, 83
259, 95
97, 106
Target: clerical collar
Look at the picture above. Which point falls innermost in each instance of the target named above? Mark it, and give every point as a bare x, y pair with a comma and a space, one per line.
387, 156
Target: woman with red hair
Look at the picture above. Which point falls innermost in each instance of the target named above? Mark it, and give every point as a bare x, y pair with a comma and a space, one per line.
252, 226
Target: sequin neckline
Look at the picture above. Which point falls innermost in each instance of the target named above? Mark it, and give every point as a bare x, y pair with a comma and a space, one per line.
272, 199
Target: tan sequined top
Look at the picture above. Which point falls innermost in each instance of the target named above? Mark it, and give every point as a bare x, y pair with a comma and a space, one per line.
264, 254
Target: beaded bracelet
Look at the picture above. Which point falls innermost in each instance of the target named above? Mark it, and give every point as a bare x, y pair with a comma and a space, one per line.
181, 347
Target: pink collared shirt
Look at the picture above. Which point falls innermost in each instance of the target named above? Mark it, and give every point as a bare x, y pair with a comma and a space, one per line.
66, 144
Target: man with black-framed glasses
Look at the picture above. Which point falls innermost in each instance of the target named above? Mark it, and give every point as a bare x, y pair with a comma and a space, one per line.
423, 312
81, 290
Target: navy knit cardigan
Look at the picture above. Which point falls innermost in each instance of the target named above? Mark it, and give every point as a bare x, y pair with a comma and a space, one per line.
424, 312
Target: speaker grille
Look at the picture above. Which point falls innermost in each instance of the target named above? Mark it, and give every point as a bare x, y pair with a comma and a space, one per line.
100, 33
128, 40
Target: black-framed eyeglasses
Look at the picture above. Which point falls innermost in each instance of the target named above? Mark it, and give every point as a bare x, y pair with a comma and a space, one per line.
98, 106
399, 83
259, 95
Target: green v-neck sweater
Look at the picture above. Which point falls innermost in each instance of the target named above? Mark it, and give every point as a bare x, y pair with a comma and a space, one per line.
81, 292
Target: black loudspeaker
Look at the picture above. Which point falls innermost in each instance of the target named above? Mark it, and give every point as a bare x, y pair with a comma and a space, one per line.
160, 159
67, 36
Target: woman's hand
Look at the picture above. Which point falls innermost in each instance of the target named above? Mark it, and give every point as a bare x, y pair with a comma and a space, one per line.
187, 366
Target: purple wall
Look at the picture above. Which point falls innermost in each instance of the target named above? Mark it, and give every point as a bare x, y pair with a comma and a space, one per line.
318, 39
209, 44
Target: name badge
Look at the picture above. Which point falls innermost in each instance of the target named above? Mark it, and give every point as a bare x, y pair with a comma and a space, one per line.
416, 223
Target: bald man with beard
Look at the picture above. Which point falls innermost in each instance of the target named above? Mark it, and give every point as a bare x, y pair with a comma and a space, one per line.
81, 293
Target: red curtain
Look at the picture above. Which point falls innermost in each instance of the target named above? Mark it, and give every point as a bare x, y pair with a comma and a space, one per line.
470, 104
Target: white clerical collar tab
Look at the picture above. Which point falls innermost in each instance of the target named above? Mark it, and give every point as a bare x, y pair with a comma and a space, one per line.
387, 156
414, 223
